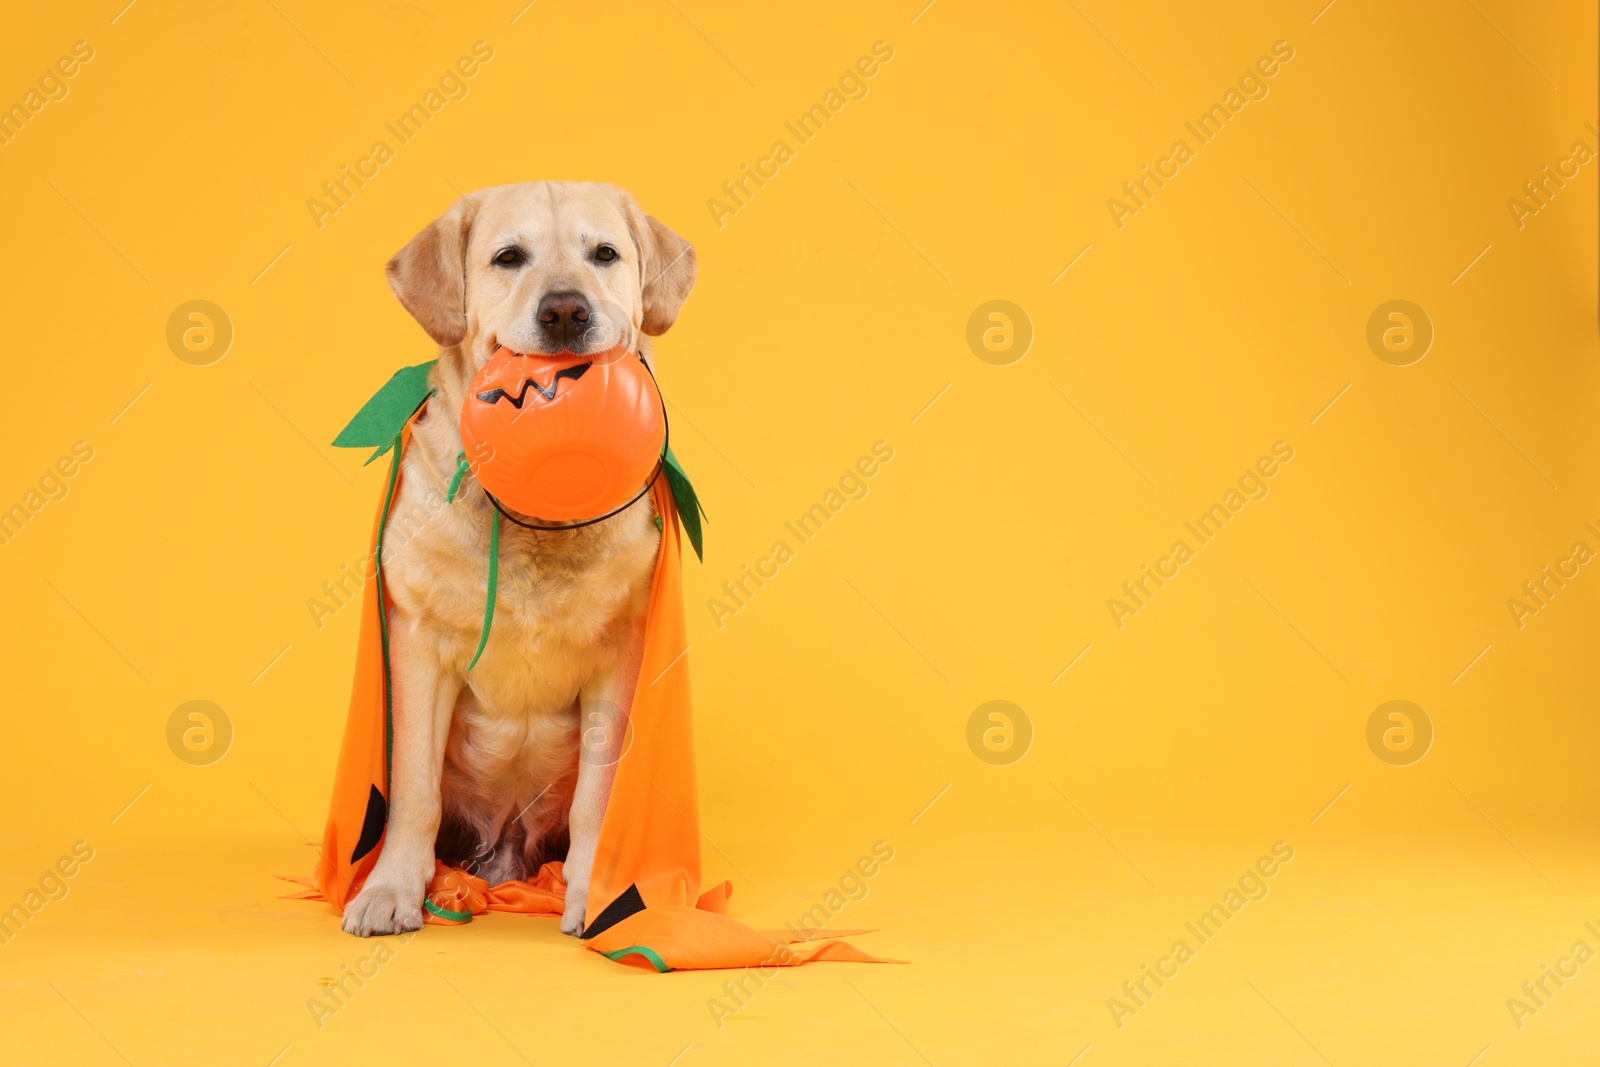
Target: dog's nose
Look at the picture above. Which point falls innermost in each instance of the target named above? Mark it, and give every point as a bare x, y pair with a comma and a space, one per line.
564, 316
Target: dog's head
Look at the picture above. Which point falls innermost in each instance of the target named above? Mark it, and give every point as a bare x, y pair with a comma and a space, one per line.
543, 267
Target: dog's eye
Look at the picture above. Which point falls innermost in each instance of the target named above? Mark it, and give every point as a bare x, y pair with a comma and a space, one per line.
508, 257
605, 254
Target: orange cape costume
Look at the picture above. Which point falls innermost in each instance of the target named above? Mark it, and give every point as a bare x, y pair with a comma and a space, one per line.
645, 900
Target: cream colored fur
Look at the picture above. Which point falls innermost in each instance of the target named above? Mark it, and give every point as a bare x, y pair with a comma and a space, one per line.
495, 753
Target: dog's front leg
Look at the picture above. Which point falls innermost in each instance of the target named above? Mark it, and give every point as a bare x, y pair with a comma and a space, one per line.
602, 728
424, 700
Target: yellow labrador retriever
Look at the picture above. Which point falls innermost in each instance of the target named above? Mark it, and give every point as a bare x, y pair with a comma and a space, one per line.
488, 769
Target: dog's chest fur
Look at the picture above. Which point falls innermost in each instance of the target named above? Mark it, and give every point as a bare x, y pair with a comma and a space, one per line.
567, 607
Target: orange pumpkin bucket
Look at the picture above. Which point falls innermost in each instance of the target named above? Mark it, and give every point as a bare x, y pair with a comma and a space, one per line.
564, 439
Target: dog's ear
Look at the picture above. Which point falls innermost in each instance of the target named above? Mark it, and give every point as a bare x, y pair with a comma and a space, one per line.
427, 274
666, 268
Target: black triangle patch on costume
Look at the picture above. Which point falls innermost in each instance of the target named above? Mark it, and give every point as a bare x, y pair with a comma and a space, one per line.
372, 825
628, 902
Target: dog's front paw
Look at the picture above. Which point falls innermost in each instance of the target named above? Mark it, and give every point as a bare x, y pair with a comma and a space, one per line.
572, 918
383, 909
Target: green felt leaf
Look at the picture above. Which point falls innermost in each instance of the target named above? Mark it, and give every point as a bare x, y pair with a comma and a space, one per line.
382, 418
683, 495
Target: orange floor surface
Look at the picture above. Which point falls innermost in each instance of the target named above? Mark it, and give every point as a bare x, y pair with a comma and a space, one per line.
1212, 644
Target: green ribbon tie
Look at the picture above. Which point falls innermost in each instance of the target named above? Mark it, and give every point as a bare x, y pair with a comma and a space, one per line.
455, 480
494, 584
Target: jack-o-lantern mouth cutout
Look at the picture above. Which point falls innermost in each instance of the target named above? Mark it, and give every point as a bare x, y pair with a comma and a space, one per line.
495, 395
565, 440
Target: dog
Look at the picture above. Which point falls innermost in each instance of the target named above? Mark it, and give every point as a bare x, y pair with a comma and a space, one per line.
509, 766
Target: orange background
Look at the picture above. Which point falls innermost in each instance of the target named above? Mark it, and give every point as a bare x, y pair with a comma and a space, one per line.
831, 309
